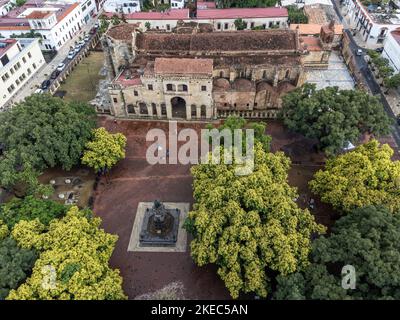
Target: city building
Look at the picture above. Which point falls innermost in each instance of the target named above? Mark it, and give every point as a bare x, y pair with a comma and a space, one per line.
314, 30
374, 22
202, 74
55, 22
20, 59
391, 49
5, 7
122, 6
220, 19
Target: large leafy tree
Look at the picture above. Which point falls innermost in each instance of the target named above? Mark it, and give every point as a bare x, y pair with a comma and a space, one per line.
105, 150
334, 117
364, 176
41, 132
30, 208
73, 259
249, 226
15, 265
367, 239
246, 3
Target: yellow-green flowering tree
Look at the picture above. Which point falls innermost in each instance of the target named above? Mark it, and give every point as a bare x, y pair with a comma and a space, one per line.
73, 259
362, 177
249, 226
105, 150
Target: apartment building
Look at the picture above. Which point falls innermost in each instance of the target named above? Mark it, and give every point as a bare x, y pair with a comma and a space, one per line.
391, 49
20, 59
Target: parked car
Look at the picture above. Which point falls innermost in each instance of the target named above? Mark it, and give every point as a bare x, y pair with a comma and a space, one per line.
39, 91
379, 50
92, 31
45, 84
71, 54
54, 74
359, 52
60, 67
86, 38
81, 43
96, 25
77, 49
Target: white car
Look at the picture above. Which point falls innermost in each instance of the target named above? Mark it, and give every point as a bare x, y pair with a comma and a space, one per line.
86, 38
38, 91
81, 43
61, 67
359, 52
71, 55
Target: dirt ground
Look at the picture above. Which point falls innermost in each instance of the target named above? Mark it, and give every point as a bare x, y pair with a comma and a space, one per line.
133, 180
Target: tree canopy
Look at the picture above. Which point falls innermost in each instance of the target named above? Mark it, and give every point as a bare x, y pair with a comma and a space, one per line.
30, 208
367, 239
105, 150
246, 3
334, 117
249, 225
40, 132
73, 259
364, 176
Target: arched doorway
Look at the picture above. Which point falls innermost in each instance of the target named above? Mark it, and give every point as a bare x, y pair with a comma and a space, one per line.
178, 107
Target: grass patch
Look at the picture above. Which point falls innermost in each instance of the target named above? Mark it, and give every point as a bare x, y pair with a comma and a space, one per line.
81, 84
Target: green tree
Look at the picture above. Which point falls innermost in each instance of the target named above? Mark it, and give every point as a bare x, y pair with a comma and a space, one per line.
20, 3
147, 25
367, 239
364, 176
296, 15
240, 24
246, 3
77, 250
392, 82
30, 208
334, 117
249, 226
105, 150
15, 265
40, 132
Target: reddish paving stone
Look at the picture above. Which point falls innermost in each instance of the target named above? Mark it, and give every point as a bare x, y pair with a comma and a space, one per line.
133, 180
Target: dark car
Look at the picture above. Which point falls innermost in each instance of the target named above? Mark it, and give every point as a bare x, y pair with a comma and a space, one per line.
54, 74
379, 50
45, 84
92, 31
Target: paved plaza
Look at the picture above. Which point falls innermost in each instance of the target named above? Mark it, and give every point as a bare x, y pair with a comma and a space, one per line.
337, 74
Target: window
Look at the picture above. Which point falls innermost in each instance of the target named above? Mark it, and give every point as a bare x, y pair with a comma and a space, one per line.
143, 108
193, 110
115, 100
163, 109
252, 25
154, 107
150, 87
221, 74
130, 108
23, 59
287, 75
135, 93
12, 71
34, 65
219, 26
182, 88
203, 88
29, 71
226, 26
17, 82
170, 87
168, 27
264, 74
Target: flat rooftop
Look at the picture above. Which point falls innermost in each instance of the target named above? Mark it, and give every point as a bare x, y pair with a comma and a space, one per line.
244, 13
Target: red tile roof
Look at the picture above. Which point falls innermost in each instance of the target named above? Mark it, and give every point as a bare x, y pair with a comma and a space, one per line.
9, 43
311, 43
234, 13
183, 66
39, 15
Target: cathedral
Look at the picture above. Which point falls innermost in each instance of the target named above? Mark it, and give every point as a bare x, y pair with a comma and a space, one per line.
195, 73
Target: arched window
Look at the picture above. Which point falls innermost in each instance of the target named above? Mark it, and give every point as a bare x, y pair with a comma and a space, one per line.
143, 108
154, 107
170, 87
193, 110
203, 111
287, 75
130, 108
182, 87
264, 74
221, 74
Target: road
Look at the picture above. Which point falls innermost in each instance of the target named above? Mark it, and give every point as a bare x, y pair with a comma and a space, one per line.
365, 71
45, 72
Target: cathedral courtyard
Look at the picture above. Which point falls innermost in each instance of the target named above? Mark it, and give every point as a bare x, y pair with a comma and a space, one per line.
133, 181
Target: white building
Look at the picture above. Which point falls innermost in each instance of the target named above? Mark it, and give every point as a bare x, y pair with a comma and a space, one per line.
54, 21
391, 49
5, 7
122, 6
19, 61
221, 19
177, 4
373, 23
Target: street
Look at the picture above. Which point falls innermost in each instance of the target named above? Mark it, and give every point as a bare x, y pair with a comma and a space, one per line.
366, 73
45, 72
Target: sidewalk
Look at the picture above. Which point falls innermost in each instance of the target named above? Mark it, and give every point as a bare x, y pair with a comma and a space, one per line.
46, 70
